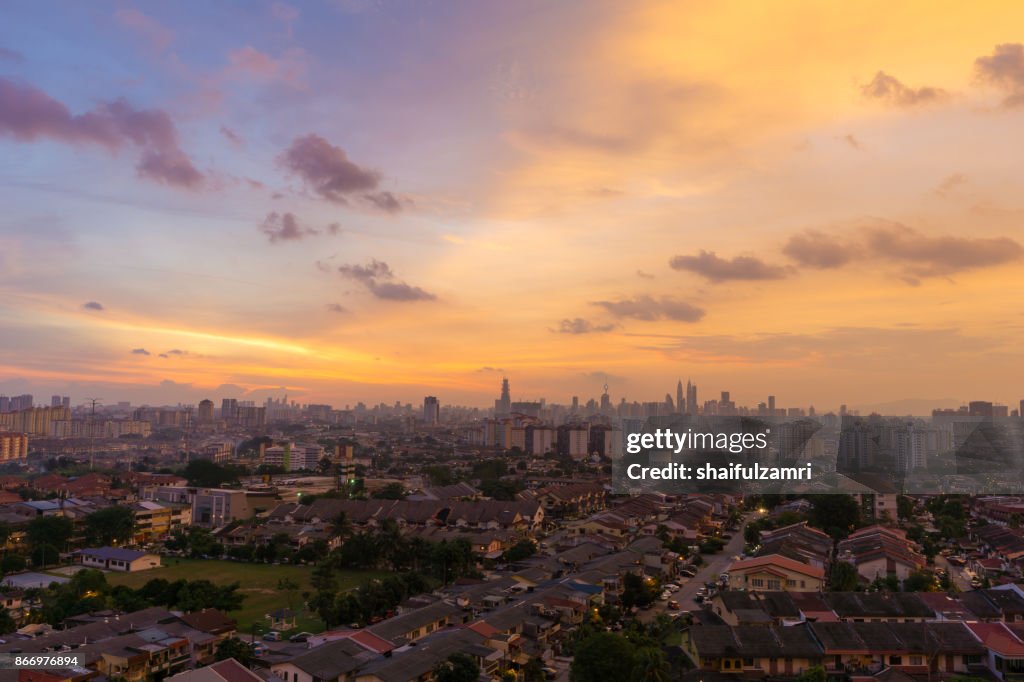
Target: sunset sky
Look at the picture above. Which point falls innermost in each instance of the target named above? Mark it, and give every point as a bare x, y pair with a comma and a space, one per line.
360, 200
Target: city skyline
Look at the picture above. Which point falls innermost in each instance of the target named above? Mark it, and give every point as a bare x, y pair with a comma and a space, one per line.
357, 201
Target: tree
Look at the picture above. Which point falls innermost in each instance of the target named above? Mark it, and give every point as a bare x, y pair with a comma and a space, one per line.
7, 624
524, 549
843, 577
236, 649
12, 563
289, 587
457, 668
49, 530
204, 473
109, 526
813, 674
835, 514
500, 490
533, 670
202, 594
392, 491
920, 581
603, 657
651, 666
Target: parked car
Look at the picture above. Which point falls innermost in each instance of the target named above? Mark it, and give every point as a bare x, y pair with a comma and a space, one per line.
699, 598
259, 648
301, 637
673, 605
272, 636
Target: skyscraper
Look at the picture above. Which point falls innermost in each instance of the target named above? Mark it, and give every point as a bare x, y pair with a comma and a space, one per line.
503, 405
431, 410
680, 405
205, 413
691, 398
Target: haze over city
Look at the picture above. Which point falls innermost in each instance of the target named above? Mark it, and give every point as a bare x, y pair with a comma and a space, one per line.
360, 201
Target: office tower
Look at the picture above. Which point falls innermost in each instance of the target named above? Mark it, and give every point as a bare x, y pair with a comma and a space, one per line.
205, 412
503, 405
771, 406
20, 402
5, 403
229, 410
55, 401
576, 403
980, 408
66, 402
431, 411
679, 397
691, 398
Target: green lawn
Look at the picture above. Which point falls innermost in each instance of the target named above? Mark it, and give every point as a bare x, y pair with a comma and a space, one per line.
258, 584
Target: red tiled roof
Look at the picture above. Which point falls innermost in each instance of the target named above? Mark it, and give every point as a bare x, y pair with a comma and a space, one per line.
778, 561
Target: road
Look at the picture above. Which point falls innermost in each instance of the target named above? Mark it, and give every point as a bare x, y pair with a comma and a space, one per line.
714, 565
960, 578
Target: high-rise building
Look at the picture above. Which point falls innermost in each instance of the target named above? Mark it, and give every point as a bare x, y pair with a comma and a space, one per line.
503, 405
680, 404
771, 406
229, 410
691, 398
431, 411
205, 412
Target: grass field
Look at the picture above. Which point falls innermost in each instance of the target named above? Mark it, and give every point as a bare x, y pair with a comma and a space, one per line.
258, 584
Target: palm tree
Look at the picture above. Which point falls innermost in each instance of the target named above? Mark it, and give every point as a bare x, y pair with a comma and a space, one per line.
651, 666
341, 526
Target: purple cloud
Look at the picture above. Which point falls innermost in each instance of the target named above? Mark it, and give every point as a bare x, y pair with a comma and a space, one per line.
284, 227
378, 278
327, 170
28, 114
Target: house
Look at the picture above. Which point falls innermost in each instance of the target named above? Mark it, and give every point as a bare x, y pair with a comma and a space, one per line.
775, 572
118, 559
1004, 649
878, 607
228, 670
913, 648
335, 661
878, 551
753, 650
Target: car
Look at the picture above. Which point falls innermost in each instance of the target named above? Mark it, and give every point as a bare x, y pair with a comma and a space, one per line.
301, 637
673, 605
699, 598
550, 673
724, 577
664, 596
672, 587
272, 636
259, 648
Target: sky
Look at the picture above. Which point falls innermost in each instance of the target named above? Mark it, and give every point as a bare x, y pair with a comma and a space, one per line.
359, 200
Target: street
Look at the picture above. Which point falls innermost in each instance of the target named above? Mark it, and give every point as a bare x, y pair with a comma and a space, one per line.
960, 578
714, 565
